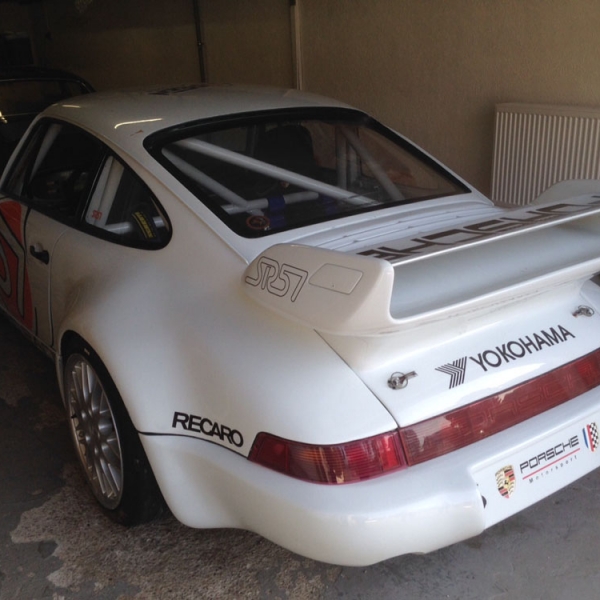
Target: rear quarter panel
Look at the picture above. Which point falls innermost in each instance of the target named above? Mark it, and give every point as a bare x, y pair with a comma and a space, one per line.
178, 335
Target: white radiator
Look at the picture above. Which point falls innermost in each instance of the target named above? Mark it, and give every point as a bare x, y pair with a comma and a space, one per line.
538, 145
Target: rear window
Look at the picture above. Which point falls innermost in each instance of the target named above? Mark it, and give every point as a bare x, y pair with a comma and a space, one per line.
277, 171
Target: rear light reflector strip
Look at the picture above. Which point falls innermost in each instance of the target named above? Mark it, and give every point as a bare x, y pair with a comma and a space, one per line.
464, 426
370, 457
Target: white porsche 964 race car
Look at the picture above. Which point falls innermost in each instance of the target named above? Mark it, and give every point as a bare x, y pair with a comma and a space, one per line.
277, 314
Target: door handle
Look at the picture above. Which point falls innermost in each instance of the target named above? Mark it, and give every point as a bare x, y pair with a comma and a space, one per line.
38, 252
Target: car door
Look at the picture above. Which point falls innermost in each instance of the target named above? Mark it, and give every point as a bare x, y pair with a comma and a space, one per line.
43, 197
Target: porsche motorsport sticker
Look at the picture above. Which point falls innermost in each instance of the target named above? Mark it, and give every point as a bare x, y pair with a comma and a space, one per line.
590, 436
506, 481
512, 350
549, 465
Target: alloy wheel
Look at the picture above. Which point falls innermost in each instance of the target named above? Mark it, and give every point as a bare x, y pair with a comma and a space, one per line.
94, 430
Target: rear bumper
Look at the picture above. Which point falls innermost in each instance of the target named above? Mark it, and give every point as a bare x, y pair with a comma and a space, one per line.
420, 509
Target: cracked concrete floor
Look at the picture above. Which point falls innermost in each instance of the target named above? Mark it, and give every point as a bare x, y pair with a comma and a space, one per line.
55, 544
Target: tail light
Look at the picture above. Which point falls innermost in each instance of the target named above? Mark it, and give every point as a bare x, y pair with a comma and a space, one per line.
339, 463
468, 424
423, 441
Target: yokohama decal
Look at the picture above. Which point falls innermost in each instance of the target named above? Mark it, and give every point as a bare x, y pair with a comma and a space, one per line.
15, 292
456, 370
498, 356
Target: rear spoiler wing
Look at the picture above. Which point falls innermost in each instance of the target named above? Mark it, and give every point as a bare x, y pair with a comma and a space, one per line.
512, 254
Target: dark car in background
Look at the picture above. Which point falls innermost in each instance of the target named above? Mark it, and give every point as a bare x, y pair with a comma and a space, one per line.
25, 92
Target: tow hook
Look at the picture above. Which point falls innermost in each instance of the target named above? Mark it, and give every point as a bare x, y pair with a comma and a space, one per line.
583, 311
397, 381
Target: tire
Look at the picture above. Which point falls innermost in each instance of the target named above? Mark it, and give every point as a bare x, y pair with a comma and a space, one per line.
106, 442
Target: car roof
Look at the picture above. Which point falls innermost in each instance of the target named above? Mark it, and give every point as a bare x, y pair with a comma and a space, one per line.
128, 117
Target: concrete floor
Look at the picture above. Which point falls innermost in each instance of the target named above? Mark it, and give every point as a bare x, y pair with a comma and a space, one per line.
55, 544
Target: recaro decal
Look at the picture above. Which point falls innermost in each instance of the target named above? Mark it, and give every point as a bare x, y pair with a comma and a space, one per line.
204, 426
14, 282
279, 280
510, 351
476, 231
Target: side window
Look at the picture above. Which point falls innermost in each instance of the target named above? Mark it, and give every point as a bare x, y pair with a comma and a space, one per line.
124, 209
71, 176
57, 170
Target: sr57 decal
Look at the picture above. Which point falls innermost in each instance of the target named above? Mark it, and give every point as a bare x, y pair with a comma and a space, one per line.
279, 280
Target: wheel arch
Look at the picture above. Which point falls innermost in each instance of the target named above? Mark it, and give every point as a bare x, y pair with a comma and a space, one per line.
102, 427
67, 339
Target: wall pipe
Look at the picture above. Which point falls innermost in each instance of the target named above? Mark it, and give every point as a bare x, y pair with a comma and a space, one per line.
296, 44
199, 38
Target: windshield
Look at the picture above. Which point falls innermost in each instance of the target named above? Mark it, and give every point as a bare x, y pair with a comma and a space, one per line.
270, 173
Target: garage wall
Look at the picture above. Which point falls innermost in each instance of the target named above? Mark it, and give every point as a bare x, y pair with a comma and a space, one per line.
122, 44
15, 18
119, 44
20, 19
435, 69
247, 41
